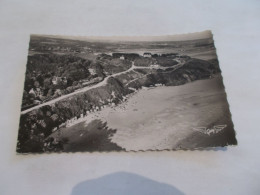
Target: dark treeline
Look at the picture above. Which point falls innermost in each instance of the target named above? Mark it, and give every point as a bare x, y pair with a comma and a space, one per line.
51, 75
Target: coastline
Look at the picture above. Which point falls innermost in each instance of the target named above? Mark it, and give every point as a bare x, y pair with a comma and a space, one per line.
141, 123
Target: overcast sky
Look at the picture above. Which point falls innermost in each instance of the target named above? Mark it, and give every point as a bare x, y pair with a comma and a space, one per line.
178, 37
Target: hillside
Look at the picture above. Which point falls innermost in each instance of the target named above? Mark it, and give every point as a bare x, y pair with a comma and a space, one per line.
36, 125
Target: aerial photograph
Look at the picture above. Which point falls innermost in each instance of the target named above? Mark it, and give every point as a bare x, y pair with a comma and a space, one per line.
143, 93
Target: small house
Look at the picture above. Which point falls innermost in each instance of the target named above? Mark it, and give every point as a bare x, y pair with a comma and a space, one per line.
32, 92
92, 71
36, 92
56, 80
147, 55
122, 57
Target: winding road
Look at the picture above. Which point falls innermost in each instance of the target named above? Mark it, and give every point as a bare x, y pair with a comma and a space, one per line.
102, 83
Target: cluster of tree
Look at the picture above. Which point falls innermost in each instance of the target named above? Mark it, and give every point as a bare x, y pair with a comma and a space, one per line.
142, 61
128, 56
37, 125
113, 65
50, 75
166, 61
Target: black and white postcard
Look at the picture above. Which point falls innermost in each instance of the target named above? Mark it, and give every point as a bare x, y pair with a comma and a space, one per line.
141, 93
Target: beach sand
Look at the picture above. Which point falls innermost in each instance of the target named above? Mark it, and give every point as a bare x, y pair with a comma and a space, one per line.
159, 118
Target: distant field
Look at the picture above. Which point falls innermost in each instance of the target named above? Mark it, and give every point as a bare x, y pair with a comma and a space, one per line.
203, 55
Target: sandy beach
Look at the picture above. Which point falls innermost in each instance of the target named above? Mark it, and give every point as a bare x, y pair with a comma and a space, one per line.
158, 118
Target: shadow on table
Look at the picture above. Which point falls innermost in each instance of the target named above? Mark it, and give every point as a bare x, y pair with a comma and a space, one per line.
122, 183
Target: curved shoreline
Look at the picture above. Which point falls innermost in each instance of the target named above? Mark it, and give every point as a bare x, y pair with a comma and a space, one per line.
149, 120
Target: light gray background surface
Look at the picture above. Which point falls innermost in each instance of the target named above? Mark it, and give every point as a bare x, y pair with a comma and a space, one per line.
236, 29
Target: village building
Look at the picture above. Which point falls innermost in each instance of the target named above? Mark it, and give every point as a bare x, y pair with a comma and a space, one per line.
32, 92
122, 58
147, 55
56, 80
92, 71
36, 92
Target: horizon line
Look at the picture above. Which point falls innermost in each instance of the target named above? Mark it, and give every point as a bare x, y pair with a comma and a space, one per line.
150, 38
